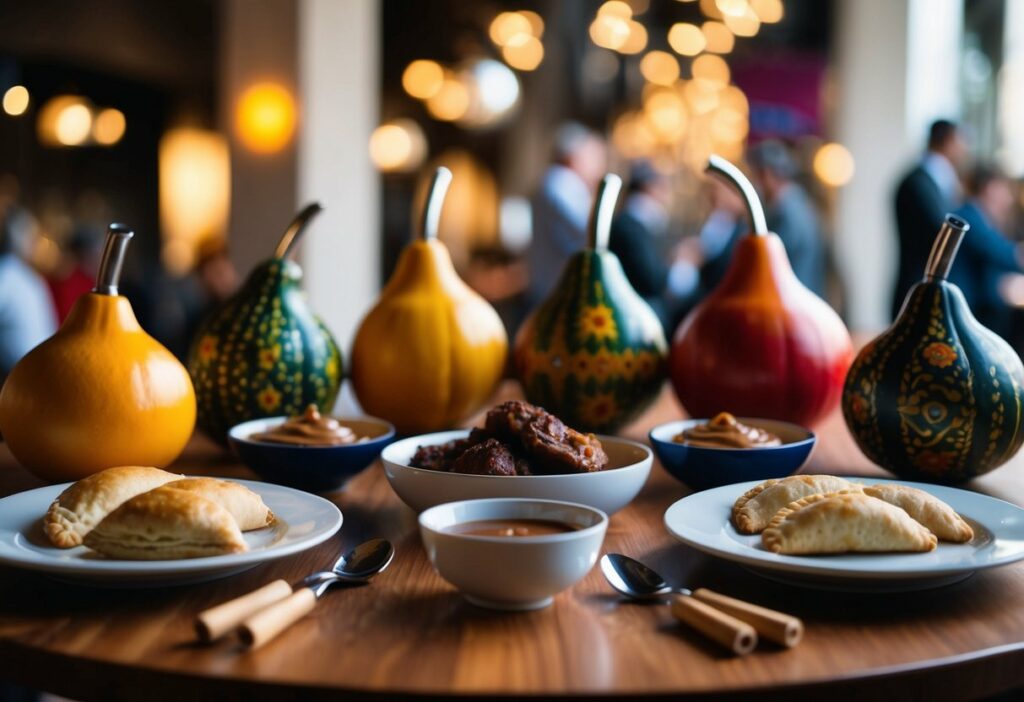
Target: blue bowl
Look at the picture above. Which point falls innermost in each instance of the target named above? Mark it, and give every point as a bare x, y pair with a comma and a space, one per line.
310, 468
702, 468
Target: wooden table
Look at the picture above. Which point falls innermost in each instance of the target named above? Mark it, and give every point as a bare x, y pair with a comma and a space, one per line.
411, 633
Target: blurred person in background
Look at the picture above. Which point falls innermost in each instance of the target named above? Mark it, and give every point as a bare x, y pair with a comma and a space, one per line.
986, 256
26, 310
667, 283
562, 204
77, 271
923, 197
723, 228
790, 212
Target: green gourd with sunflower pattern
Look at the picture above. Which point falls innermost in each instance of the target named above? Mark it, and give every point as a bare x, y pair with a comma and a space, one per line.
594, 352
263, 353
937, 397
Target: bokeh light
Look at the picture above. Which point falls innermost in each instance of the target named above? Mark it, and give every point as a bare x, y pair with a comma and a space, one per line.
526, 56
510, 29
450, 102
718, 38
745, 25
711, 69
834, 165
736, 8
686, 39
610, 31
16, 100
636, 41
665, 111
109, 126
422, 78
710, 9
493, 90
659, 67
265, 117
398, 146
768, 11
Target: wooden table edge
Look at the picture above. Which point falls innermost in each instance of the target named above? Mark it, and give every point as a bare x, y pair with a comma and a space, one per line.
995, 670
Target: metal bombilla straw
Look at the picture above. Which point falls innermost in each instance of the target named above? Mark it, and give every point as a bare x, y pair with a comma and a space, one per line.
733, 175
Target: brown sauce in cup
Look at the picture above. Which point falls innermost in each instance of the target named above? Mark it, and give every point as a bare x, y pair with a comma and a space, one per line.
725, 431
511, 527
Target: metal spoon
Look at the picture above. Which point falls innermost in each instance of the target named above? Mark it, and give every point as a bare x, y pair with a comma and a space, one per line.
352, 568
732, 622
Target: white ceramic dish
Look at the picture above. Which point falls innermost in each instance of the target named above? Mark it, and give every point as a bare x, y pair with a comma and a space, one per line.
303, 521
607, 490
702, 520
513, 572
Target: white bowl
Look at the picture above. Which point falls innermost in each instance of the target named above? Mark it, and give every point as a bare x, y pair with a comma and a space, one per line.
513, 572
608, 490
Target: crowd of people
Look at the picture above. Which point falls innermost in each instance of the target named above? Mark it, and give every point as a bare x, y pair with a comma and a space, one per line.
674, 270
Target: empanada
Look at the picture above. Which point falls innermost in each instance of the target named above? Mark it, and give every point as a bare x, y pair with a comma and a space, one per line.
850, 522
167, 523
244, 505
755, 508
84, 504
941, 519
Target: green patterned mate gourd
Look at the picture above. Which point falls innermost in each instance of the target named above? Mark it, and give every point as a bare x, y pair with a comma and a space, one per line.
263, 353
936, 397
594, 352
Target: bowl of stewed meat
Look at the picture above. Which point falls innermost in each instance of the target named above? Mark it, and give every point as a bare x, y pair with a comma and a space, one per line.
520, 451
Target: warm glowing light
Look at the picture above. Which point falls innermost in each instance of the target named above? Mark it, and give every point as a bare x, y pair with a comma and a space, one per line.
450, 102
732, 98
493, 93
265, 117
686, 39
736, 8
632, 136
710, 9
639, 7
73, 124
16, 100
109, 126
536, 22
718, 38
660, 67
834, 165
610, 31
195, 192
615, 8
510, 29
712, 69
422, 78
636, 41
665, 111
768, 11
525, 57
398, 146
729, 125
745, 25
701, 96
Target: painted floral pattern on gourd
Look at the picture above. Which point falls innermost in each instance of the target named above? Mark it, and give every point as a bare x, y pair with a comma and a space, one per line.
594, 353
263, 354
938, 396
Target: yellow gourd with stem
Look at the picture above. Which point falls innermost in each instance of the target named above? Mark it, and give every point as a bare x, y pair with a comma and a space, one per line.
431, 351
100, 392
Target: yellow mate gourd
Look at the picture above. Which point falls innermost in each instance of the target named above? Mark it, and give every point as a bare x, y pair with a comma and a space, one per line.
432, 350
100, 392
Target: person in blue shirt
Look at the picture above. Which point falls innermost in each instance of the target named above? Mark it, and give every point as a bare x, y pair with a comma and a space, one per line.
561, 206
986, 255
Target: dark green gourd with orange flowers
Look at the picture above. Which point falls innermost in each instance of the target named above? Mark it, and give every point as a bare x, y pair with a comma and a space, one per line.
264, 353
937, 397
594, 352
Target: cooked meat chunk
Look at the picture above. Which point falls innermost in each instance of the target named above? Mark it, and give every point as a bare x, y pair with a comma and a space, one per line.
550, 446
488, 458
440, 456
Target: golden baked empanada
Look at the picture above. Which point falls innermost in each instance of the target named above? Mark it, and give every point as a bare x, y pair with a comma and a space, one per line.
755, 508
849, 522
941, 519
167, 523
84, 504
244, 505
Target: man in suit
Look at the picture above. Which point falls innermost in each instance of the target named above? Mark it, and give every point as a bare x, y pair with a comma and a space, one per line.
666, 280
923, 197
986, 257
562, 204
790, 213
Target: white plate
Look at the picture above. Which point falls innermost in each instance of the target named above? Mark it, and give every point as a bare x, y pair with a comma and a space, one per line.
303, 521
702, 520
607, 490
